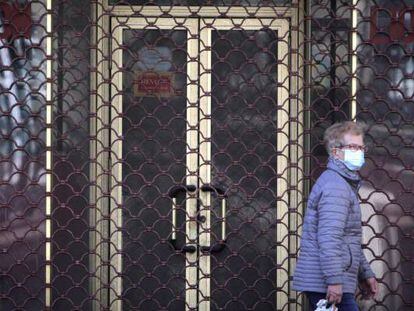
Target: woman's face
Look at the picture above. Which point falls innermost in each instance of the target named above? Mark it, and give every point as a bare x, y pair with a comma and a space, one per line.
349, 139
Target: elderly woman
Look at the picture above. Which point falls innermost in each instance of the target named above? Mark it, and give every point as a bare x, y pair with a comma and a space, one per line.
331, 261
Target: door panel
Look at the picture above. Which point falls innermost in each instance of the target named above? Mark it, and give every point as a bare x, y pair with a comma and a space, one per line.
150, 140
244, 146
153, 156
244, 161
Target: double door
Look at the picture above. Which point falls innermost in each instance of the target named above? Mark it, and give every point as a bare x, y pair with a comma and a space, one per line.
198, 161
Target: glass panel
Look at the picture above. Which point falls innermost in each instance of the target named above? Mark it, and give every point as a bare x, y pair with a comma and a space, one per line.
244, 158
331, 84
71, 156
385, 104
154, 160
384, 20
22, 154
385, 87
204, 2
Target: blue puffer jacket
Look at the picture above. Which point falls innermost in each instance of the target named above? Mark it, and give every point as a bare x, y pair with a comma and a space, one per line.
330, 250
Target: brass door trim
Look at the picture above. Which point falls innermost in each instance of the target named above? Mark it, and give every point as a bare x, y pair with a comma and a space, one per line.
201, 11
100, 130
115, 205
355, 42
49, 162
297, 148
204, 164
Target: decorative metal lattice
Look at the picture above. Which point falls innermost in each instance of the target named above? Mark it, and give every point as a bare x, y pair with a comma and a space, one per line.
157, 155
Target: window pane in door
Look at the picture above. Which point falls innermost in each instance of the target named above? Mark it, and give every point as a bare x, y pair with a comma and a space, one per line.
153, 157
244, 159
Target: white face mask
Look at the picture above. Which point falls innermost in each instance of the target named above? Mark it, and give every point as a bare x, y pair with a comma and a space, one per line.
354, 159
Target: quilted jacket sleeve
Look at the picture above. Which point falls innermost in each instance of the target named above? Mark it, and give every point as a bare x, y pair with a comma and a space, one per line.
365, 270
333, 209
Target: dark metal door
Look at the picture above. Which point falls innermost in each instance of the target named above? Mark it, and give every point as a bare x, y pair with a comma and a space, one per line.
152, 232
198, 175
244, 166
244, 108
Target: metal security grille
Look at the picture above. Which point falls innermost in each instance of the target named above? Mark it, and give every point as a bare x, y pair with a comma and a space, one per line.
157, 155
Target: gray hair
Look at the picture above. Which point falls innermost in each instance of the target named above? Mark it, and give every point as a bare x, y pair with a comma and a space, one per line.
334, 135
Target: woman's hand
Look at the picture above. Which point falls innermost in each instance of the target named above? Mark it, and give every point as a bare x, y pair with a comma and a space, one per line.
369, 288
334, 293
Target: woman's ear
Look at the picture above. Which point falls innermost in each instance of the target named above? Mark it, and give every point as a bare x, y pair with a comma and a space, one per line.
336, 153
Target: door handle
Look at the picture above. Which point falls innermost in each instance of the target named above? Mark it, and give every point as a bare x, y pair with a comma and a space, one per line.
220, 245
174, 191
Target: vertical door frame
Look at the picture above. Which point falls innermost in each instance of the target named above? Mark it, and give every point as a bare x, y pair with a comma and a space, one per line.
99, 169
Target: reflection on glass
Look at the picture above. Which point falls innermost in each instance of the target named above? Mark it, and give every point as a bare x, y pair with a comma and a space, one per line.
22, 154
386, 106
244, 151
153, 157
71, 156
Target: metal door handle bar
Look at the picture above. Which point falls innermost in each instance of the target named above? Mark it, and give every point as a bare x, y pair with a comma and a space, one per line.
174, 191
220, 245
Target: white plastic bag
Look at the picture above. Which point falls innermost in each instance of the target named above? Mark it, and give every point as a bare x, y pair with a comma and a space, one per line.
322, 306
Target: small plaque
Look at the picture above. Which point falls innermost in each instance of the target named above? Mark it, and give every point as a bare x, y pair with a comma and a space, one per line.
152, 83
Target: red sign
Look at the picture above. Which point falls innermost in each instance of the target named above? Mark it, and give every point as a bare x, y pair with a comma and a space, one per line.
17, 20
150, 83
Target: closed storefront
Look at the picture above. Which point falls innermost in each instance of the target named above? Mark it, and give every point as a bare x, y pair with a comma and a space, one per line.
158, 155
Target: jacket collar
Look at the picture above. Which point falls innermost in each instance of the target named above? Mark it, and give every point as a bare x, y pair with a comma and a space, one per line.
339, 167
